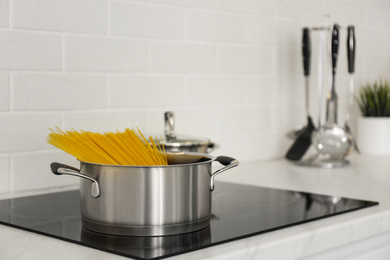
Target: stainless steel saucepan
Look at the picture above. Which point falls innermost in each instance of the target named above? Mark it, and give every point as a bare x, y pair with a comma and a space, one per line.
147, 200
182, 143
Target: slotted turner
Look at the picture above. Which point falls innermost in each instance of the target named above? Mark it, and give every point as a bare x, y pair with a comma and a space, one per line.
303, 141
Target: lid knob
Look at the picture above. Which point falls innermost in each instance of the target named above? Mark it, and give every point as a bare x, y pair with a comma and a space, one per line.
169, 125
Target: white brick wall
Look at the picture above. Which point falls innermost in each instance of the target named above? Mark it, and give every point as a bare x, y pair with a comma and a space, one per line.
58, 92
5, 184
88, 16
4, 14
211, 90
5, 92
29, 51
140, 20
230, 69
182, 57
247, 59
264, 7
216, 27
105, 120
27, 131
146, 91
104, 54
206, 4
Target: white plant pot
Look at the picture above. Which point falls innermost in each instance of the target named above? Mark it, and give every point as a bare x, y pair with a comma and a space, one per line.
373, 135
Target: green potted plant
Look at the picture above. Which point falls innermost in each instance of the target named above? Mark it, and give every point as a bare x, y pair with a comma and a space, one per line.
373, 133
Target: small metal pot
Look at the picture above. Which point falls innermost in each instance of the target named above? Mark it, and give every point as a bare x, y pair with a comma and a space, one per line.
146, 200
181, 143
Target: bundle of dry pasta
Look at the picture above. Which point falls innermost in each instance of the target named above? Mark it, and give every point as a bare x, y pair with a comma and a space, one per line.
121, 148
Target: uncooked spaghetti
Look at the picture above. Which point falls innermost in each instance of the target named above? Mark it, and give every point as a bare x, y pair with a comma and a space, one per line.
129, 147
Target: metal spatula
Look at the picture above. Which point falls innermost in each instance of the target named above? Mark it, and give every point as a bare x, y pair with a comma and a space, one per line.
303, 141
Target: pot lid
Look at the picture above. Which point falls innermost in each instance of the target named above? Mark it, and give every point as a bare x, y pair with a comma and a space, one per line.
185, 141
172, 140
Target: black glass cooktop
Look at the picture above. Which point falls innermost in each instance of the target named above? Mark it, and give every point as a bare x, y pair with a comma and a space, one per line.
238, 211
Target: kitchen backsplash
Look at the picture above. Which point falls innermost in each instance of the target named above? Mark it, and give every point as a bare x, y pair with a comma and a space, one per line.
231, 70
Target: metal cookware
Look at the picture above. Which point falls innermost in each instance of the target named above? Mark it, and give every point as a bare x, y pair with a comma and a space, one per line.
147, 200
180, 143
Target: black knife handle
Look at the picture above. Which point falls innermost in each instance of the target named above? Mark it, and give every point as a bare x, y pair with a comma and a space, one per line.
335, 46
351, 49
306, 52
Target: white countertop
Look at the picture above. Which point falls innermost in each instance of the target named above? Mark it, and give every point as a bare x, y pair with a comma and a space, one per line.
366, 178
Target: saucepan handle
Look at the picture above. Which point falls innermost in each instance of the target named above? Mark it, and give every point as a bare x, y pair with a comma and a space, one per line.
63, 169
229, 163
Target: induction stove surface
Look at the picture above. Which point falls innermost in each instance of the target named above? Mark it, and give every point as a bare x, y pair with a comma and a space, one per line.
238, 211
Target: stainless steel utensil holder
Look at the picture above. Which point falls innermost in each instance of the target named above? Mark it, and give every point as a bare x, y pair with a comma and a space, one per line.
314, 157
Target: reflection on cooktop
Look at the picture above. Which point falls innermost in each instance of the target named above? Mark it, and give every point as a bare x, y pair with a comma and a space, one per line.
257, 198
148, 247
49, 209
238, 211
